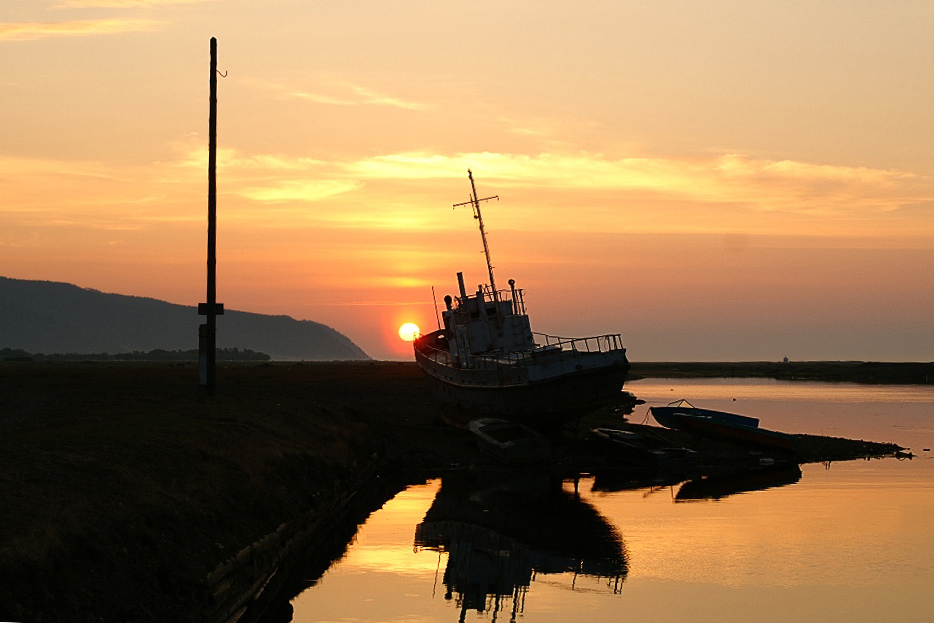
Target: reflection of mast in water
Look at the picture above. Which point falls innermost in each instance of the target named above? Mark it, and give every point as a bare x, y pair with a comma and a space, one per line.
501, 530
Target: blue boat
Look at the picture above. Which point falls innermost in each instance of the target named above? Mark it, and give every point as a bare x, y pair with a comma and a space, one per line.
682, 415
668, 416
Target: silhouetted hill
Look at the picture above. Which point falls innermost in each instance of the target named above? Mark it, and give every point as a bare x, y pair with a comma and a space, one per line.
51, 317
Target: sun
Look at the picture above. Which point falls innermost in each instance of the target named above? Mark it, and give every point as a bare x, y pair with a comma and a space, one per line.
409, 331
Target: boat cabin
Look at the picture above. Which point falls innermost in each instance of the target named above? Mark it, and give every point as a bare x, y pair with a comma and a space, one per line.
488, 322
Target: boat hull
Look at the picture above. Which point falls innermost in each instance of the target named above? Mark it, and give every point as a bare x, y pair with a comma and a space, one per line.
668, 416
507, 391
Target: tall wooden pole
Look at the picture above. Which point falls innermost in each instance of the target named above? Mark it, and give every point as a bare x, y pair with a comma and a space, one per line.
212, 186
208, 332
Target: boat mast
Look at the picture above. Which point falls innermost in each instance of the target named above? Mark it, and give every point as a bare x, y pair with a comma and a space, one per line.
475, 203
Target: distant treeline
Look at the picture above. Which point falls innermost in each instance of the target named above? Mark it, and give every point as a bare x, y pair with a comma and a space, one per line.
223, 354
908, 373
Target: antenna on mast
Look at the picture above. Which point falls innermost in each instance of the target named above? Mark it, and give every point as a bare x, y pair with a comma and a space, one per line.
475, 203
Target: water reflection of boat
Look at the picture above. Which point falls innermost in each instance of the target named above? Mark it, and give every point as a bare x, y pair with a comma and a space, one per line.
500, 530
720, 486
683, 415
615, 480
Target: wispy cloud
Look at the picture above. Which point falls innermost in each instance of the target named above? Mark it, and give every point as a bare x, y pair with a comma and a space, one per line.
93, 194
758, 184
765, 184
13, 168
527, 127
299, 190
401, 191
369, 96
360, 96
30, 31
336, 91
122, 3
272, 178
197, 157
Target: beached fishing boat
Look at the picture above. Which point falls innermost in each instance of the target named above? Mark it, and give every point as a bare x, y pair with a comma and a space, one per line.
486, 361
683, 415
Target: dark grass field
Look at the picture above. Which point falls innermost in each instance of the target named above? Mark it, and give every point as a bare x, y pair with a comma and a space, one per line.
125, 486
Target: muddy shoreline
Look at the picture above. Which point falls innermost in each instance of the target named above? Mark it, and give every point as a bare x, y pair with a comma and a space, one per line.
132, 495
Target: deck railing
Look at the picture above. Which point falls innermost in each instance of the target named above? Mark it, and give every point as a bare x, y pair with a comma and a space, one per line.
544, 344
595, 344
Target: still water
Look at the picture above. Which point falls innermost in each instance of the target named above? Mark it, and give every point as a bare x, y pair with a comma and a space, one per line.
850, 541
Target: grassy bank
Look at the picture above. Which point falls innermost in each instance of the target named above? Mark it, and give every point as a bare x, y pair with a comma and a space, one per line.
125, 485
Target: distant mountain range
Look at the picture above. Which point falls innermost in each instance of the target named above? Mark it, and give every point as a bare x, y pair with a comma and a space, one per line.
51, 317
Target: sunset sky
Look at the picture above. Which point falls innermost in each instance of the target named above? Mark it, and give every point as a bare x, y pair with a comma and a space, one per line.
714, 180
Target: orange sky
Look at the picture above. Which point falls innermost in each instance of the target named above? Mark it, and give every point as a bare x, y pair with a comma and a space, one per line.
713, 180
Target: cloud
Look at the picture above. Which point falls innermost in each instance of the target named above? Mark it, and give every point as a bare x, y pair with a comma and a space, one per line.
360, 96
119, 4
31, 31
732, 178
14, 168
197, 157
337, 92
416, 165
98, 195
402, 191
369, 96
299, 190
